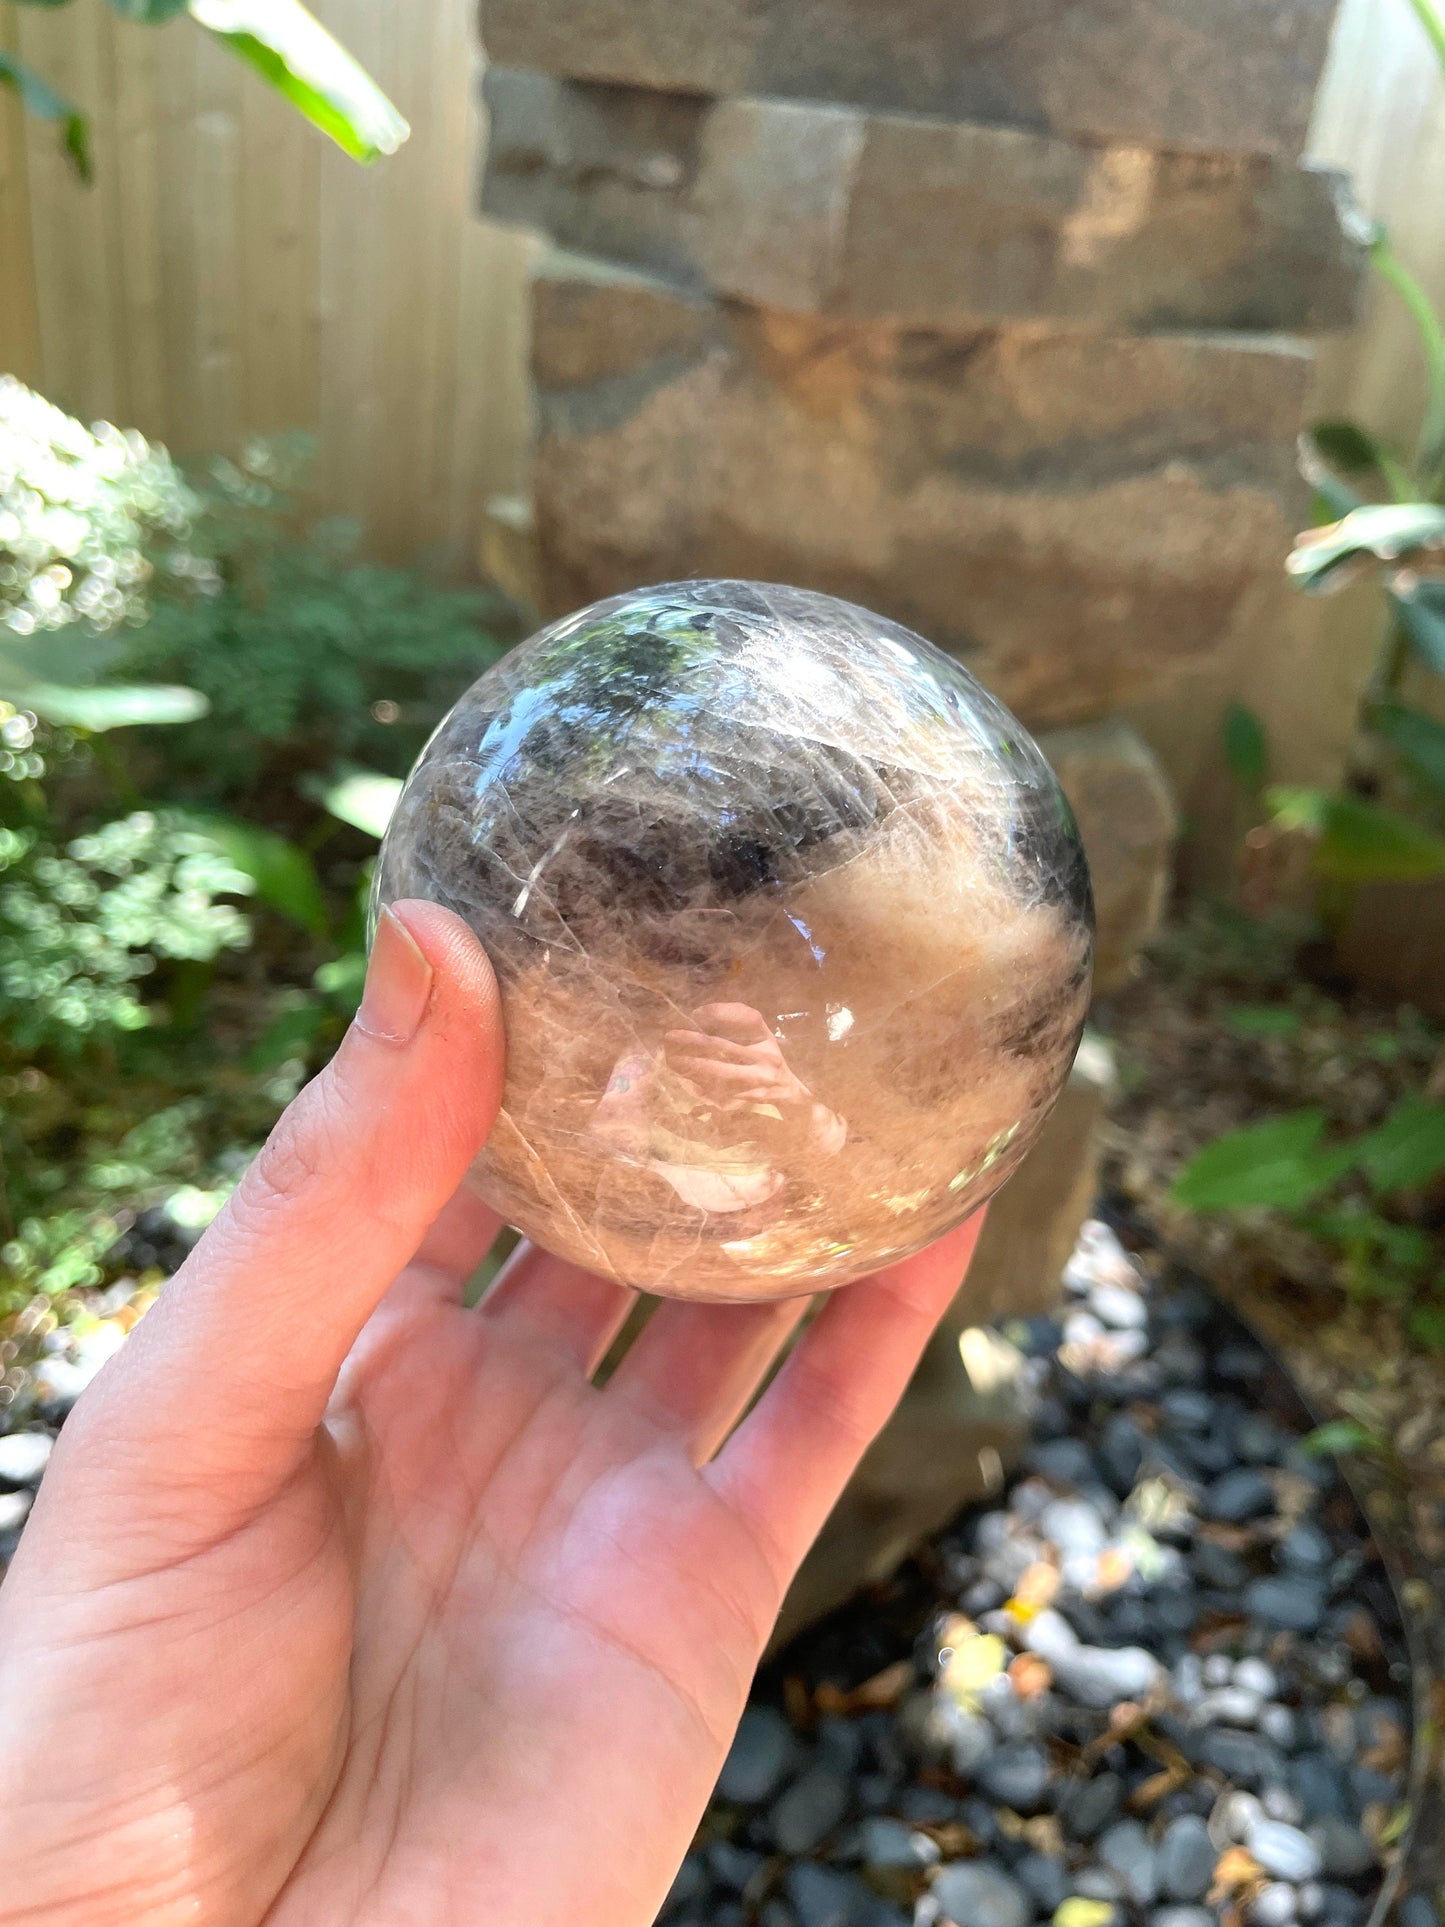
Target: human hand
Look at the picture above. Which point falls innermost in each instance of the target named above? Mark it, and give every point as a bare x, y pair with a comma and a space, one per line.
730, 1056
344, 1604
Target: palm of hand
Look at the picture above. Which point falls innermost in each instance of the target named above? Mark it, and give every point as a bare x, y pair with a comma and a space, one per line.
549, 1596
343, 1607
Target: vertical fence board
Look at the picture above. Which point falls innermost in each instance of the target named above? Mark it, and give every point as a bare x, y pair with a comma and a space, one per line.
132, 187
19, 320
70, 236
1380, 117
280, 211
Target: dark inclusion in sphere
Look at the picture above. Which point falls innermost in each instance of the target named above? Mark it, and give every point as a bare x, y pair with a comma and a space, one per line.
792, 924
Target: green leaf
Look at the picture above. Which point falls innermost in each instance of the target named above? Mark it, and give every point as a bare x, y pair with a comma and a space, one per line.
1262, 1020
292, 50
1340, 1435
38, 97
112, 705
1331, 498
150, 13
1406, 1246
1361, 1232
71, 656
1422, 616
359, 797
1408, 1149
291, 1033
1280, 1163
1346, 447
1427, 1325
283, 874
1323, 470
1417, 739
1383, 531
1359, 842
43, 3
1246, 745
343, 978
1364, 843
1333, 451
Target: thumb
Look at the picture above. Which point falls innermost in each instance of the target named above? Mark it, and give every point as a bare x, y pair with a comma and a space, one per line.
245, 1343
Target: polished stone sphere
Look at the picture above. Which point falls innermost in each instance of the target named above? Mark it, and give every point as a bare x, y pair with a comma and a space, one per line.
792, 925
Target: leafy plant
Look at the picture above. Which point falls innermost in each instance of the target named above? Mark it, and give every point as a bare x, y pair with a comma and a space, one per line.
1361, 1198
1381, 515
90, 518
182, 913
302, 650
1281, 1162
1356, 841
1383, 512
83, 929
285, 44
1343, 1435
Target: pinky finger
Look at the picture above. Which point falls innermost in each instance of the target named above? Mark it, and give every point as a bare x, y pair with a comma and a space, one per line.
785, 1466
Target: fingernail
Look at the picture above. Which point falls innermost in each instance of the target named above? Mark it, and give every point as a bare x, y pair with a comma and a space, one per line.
398, 984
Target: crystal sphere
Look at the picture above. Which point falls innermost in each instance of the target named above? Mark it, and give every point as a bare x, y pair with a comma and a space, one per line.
792, 925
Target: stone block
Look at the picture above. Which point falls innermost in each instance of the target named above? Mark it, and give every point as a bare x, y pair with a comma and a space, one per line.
895, 217
1077, 516
1208, 74
963, 1422
1034, 1220
1127, 818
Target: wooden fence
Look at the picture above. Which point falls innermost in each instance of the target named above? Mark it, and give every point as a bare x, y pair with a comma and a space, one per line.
1380, 115
230, 273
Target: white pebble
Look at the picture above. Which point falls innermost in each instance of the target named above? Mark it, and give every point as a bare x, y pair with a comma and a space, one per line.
1227, 1706
1257, 1676
1235, 1816
1188, 1679
1279, 1724
1280, 1804
1274, 1905
1284, 1851
1073, 1525
1082, 1328
1050, 1635
1116, 1305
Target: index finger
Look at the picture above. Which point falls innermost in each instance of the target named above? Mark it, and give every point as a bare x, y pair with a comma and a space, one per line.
739, 1021
785, 1466
708, 1043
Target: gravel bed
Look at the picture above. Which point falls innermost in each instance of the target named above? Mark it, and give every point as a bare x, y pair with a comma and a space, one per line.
1161, 1682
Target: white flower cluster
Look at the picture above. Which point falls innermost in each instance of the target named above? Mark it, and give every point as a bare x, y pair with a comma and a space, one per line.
86, 514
